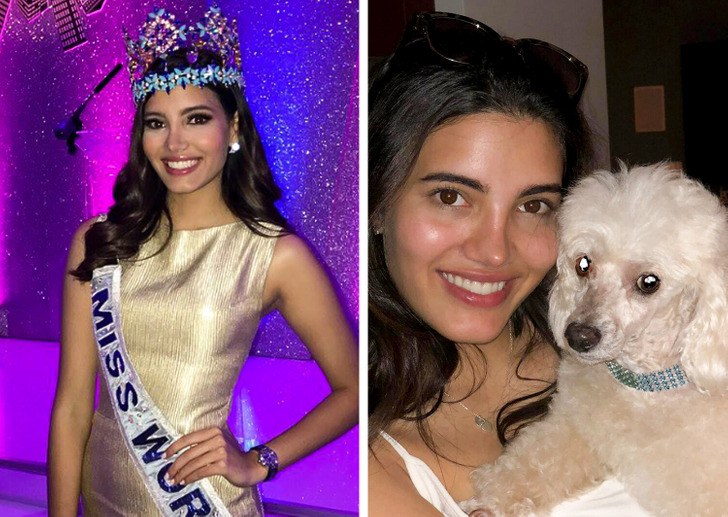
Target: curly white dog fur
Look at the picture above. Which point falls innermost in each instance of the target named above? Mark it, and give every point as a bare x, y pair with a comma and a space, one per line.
651, 293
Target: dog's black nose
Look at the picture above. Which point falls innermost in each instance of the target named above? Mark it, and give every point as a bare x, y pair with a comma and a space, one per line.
582, 338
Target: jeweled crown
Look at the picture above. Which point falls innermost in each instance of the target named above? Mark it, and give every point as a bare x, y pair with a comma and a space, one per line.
161, 35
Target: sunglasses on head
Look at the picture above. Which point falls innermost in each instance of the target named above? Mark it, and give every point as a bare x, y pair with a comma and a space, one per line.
466, 41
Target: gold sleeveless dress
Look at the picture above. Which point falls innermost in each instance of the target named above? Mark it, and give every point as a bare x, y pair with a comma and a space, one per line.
188, 315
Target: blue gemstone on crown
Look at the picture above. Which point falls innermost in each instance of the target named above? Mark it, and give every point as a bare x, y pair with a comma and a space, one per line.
161, 35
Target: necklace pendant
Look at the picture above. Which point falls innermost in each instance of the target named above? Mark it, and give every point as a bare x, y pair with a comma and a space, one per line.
483, 423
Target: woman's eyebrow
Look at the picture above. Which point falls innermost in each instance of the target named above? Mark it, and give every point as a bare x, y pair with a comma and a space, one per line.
553, 188
454, 178
183, 112
195, 108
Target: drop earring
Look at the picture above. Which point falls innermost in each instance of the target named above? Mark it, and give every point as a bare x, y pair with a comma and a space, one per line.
234, 148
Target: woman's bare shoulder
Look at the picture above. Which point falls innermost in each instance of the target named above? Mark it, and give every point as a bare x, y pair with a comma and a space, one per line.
391, 491
77, 249
88, 223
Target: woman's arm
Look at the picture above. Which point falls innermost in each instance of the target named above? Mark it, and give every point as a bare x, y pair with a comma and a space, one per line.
299, 288
74, 401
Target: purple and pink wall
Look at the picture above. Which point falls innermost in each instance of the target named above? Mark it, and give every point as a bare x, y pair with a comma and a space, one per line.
300, 62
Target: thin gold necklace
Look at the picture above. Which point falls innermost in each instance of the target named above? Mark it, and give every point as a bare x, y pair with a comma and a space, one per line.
480, 421
483, 423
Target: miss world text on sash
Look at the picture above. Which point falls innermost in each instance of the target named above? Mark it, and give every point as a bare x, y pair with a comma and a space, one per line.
146, 431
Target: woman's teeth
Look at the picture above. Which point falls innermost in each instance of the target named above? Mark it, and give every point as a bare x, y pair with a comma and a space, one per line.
181, 165
473, 286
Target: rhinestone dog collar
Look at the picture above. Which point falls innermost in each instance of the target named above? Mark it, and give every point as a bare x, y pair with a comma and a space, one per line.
661, 380
161, 34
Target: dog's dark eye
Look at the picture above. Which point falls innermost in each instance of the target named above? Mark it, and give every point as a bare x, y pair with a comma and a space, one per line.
583, 265
648, 283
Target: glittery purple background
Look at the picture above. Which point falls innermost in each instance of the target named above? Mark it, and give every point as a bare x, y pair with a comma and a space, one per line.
300, 62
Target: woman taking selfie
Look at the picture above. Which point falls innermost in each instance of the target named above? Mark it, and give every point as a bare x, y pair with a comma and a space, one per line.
190, 257
473, 140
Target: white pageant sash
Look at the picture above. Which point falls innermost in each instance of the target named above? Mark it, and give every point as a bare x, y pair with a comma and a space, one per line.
147, 433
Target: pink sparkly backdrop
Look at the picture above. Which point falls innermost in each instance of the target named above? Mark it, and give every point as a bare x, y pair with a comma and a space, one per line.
300, 61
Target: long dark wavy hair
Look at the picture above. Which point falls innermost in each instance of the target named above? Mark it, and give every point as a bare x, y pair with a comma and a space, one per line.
140, 204
413, 93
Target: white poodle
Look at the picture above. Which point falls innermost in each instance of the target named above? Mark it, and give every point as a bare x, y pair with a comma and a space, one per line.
640, 311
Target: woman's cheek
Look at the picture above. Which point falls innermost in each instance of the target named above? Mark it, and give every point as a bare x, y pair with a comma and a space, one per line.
542, 248
414, 241
426, 236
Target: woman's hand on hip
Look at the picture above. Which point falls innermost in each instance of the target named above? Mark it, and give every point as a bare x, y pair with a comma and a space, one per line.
212, 452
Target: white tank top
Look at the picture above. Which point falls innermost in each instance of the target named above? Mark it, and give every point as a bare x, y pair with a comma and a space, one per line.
606, 500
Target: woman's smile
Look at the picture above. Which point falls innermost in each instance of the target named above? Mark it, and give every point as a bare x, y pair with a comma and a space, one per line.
474, 286
474, 292
473, 232
180, 166
186, 138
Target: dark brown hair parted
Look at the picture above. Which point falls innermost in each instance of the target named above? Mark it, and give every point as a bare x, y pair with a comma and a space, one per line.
413, 93
248, 187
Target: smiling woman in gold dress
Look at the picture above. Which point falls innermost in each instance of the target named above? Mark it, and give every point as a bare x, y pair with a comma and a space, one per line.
164, 295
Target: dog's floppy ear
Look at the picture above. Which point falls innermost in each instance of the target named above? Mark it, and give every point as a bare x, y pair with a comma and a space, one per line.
705, 339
